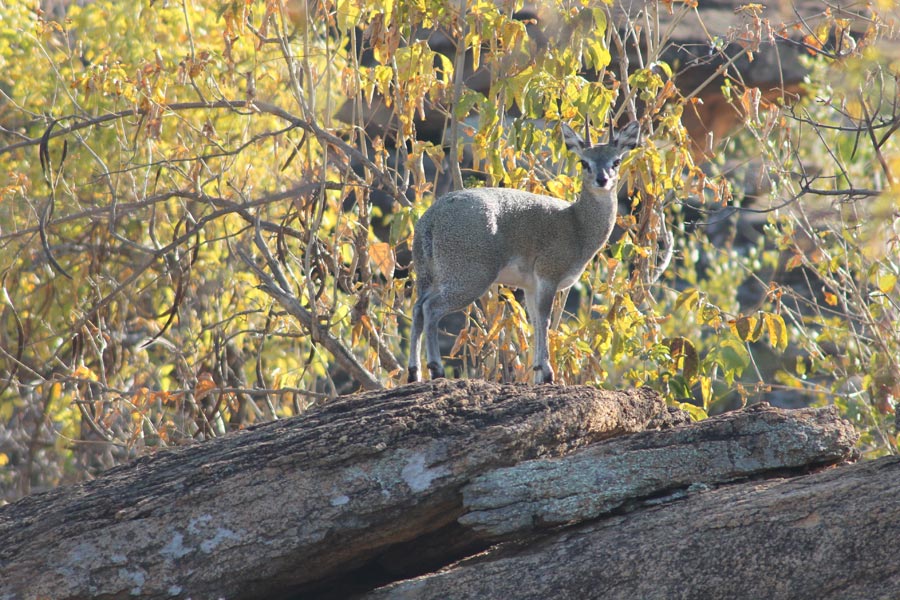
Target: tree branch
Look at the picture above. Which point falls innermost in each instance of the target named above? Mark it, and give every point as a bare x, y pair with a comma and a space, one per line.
278, 288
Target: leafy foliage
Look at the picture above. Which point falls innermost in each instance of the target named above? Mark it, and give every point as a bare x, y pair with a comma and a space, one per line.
835, 157
206, 225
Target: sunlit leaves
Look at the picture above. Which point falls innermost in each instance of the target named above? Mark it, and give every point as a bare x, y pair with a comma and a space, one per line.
887, 282
383, 258
150, 202
684, 357
596, 54
162, 323
750, 328
688, 299
837, 234
416, 76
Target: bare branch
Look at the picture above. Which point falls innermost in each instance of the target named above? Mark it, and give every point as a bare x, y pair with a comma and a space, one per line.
383, 178
278, 288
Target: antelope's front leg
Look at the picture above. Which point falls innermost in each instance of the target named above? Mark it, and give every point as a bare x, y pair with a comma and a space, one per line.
540, 304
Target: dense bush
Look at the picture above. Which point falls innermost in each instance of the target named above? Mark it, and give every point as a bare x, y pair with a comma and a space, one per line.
202, 227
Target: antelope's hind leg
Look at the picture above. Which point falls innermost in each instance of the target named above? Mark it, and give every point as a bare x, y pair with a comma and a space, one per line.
414, 371
444, 299
539, 303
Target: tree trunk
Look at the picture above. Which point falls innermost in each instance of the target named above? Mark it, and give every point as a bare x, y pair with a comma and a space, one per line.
384, 486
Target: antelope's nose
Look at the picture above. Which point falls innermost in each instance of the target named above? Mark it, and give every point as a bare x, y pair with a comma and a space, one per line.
604, 179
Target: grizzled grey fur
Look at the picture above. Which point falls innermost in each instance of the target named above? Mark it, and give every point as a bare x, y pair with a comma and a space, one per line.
470, 239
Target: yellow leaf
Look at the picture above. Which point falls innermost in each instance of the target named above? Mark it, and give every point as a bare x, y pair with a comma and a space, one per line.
690, 298
710, 315
886, 283
82, 372
831, 299
745, 328
778, 337
561, 187
4, 459
55, 391
706, 391
383, 76
696, 413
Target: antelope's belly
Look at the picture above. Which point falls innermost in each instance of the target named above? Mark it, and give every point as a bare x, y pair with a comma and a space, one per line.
516, 273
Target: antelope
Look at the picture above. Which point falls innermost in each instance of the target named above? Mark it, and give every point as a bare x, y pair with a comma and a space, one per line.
472, 238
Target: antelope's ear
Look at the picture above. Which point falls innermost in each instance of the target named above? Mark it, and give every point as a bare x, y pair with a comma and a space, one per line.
628, 137
573, 141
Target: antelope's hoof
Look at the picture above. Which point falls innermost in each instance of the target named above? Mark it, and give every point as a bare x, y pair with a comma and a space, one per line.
413, 375
436, 371
541, 376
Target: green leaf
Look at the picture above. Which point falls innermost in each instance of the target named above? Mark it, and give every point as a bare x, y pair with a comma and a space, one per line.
679, 387
623, 249
470, 99
732, 356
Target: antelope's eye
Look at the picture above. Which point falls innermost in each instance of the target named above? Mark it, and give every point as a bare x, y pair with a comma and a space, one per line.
616, 163
585, 164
